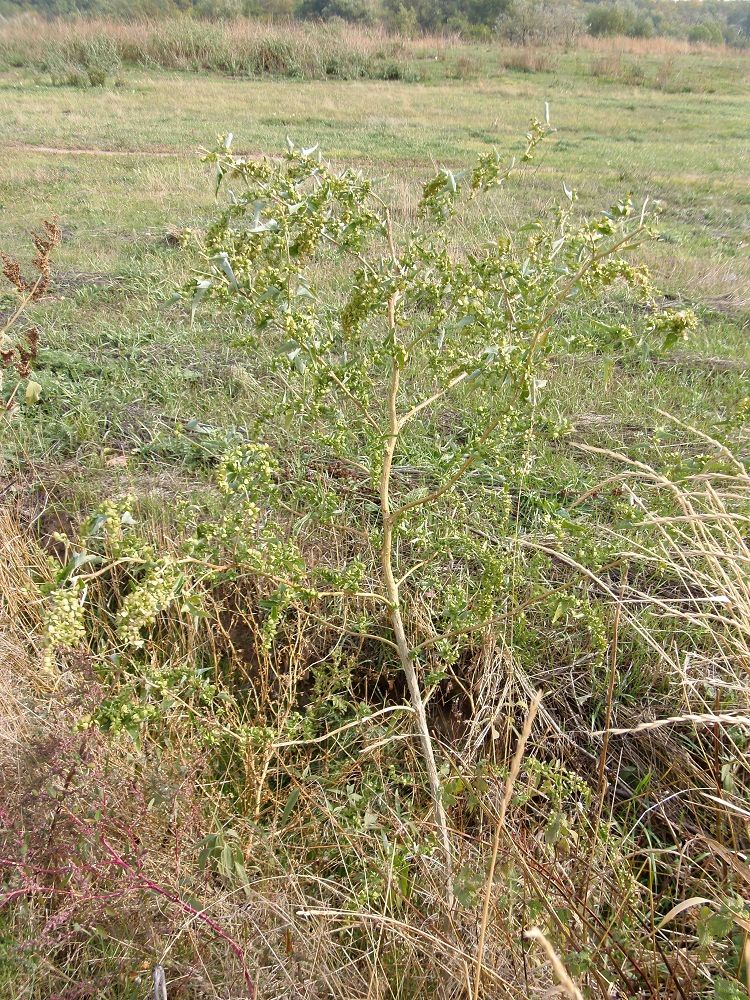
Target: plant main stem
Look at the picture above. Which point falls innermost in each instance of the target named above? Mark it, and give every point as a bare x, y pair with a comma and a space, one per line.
406, 657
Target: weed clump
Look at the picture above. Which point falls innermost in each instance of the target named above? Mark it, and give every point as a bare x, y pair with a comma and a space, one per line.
19, 341
83, 62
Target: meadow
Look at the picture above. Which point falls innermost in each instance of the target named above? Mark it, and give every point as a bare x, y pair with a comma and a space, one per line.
246, 805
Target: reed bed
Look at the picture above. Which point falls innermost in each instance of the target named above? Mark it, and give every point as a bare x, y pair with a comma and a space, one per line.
250, 48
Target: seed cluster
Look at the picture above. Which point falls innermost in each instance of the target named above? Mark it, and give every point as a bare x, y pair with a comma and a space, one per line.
153, 594
65, 621
246, 468
44, 243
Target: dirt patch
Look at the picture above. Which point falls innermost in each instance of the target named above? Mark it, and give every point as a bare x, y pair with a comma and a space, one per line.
599, 423
729, 305
699, 363
90, 150
70, 281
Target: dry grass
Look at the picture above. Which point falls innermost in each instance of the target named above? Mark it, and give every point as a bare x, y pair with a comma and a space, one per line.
529, 60
648, 46
326, 904
90, 50
241, 31
240, 47
22, 568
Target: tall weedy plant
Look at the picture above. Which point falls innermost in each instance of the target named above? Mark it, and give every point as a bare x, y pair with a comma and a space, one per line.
420, 362
416, 365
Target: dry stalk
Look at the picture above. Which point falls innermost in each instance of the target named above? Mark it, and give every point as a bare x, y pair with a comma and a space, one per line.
515, 767
561, 973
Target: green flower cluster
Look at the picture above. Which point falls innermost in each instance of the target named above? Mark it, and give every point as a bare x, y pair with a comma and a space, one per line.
247, 469
113, 525
441, 193
289, 209
122, 713
160, 585
675, 325
65, 621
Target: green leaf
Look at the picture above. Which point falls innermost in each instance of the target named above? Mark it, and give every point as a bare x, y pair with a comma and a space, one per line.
201, 288
192, 606
291, 802
719, 925
33, 392
729, 989
222, 260
553, 830
226, 860
86, 559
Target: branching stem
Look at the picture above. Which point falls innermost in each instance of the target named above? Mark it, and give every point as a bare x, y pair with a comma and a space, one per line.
405, 654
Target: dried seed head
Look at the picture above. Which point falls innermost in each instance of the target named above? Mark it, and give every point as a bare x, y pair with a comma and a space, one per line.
23, 365
44, 243
32, 339
12, 271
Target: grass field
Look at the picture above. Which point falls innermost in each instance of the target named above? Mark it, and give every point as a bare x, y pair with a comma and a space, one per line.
133, 174
136, 398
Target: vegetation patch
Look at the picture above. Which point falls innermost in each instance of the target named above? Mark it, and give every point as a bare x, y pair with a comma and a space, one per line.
373, 599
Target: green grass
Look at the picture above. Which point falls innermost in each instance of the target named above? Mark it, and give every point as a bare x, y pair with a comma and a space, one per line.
121, 369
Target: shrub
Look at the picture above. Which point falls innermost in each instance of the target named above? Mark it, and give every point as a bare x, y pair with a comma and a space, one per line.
86, 61
540, 22
425, 324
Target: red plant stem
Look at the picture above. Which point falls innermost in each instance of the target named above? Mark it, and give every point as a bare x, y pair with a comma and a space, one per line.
184, 906
141, 882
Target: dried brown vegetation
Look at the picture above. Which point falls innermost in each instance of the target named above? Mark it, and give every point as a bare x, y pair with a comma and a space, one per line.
44, 242
19, 341
287, 888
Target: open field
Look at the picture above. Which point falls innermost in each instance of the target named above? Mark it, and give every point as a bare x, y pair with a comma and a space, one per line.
689, 151
262, 836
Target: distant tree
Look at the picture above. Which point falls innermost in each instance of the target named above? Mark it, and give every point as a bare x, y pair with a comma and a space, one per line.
348, 10
269, 9
540, 22
708, 32
437, 15
640, 26
738, 23
605, 21
401, 18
